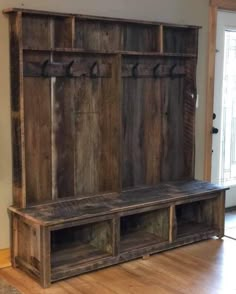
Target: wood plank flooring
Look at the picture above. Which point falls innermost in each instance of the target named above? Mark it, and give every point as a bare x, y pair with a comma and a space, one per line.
4, 258
204, 268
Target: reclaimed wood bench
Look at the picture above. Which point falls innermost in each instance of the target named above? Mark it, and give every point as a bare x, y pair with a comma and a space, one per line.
69, 237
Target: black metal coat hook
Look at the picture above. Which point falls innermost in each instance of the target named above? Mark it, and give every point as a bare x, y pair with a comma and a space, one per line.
44, 66
172, 71
155, 70
69, 69
135, 71
94, 70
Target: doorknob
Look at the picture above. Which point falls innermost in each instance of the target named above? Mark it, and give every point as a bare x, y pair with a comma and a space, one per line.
215, 130
214, 116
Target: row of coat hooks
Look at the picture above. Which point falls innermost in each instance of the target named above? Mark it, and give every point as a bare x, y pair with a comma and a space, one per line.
67, 69
95, 69
159, 70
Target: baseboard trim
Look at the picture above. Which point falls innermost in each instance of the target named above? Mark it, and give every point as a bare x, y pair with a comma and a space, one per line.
5, 260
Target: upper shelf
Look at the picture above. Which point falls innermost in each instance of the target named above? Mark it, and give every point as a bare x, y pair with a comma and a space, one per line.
76, 33
125, 53
91, 17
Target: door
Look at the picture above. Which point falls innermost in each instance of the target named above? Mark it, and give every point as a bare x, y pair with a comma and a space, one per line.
224, 130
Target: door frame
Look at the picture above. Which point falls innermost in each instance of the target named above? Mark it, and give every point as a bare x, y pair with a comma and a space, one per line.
214, 6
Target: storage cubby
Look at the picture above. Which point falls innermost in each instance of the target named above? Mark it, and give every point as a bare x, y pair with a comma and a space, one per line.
180, 40
81, 244
144, 229
141, 38
196, 217
96, 35
37, 31
63, 34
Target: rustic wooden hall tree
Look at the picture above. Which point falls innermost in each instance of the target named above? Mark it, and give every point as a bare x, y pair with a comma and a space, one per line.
103, 115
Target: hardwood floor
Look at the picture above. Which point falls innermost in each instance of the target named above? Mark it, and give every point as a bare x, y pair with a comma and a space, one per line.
204, 268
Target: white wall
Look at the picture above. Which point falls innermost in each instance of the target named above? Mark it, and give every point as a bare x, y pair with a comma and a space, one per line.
176, 11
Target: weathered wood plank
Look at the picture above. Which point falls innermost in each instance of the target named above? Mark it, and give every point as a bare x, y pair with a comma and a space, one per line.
140, 38
141, 110
87, 139
178, 40
45, 257
17, 110
37, 102
63, 32
63, 143
172, 163
36, 31
72, 210
95, 18
95, 35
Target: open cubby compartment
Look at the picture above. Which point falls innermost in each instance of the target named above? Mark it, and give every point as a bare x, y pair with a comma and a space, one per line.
81, 244
196, 217
45, 32
97, 35
144, 229
141, 37
180, 40
37, 31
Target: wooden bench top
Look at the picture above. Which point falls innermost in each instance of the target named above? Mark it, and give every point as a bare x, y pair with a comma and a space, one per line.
68, 210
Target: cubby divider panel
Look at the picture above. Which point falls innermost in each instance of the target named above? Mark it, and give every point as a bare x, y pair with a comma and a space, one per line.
81, 244
143, 229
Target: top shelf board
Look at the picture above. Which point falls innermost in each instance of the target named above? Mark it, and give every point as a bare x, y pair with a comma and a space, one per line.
98, 18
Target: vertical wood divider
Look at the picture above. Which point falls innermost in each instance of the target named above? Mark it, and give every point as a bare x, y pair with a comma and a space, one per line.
17, 105
172, 224
119, 94
14, 239
116, 235
73, 35
161, 39
45, 257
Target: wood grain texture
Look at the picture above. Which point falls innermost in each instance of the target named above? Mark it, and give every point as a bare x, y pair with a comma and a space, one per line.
63, 32
109, 105
17, 110
77, 209
150, 276
5, 258
177, 40
37, 96
172, 163
63, 139
36, 31
140, 38
95, 35
141, 131
86, 113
